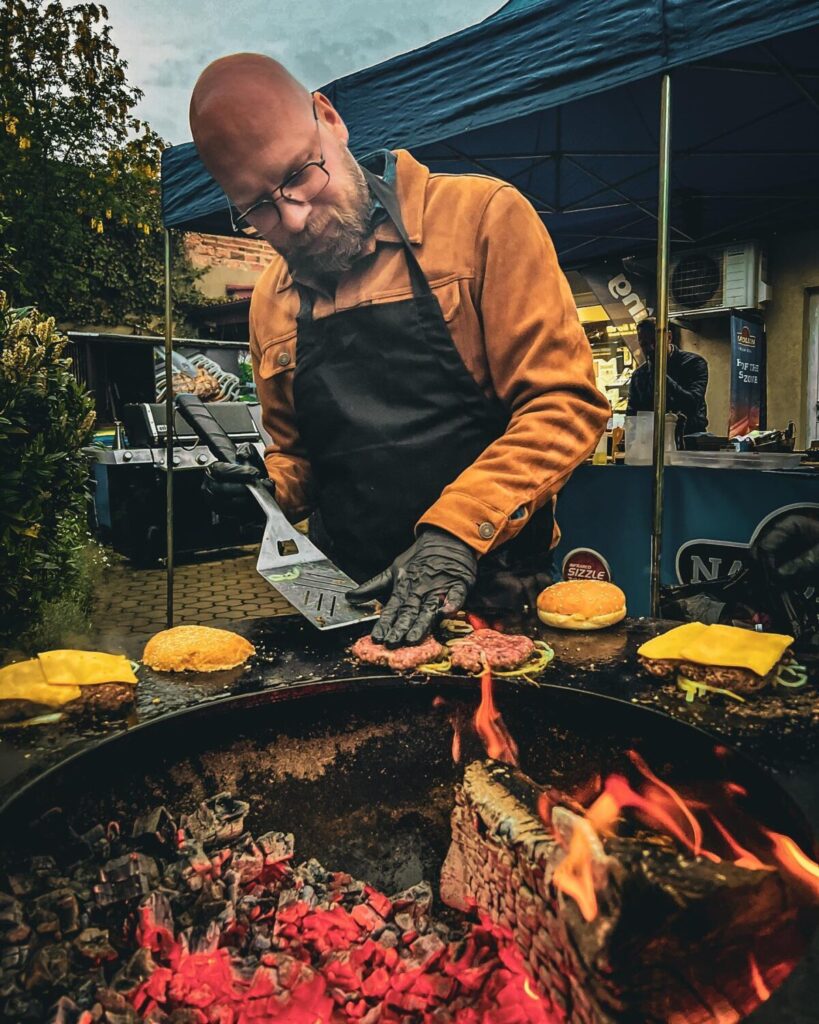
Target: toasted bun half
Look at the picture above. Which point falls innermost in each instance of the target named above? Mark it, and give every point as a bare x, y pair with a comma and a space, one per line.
581, 604
196, 649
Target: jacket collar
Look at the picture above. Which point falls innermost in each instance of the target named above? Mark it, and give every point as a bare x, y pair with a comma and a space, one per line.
411, 187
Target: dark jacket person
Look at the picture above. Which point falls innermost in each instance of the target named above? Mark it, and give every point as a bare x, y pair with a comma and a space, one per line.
686, 382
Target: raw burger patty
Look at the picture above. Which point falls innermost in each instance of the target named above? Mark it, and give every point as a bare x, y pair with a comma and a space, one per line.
371, 653
498, 650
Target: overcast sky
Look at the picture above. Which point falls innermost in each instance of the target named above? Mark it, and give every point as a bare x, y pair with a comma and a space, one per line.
168, 42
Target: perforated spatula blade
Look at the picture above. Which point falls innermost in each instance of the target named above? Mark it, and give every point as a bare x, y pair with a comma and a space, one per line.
289, 561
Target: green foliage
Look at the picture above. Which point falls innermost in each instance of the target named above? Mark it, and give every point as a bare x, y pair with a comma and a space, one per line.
7, 268
79, 172
46, 418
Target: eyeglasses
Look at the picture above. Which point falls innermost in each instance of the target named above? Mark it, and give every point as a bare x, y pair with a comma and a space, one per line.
301, 186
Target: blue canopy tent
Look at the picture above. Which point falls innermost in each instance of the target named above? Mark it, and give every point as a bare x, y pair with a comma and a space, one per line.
561, 98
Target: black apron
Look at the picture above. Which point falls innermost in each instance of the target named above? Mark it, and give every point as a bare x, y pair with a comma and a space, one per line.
389, 416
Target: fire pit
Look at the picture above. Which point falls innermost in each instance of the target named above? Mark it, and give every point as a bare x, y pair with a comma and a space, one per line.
287, 844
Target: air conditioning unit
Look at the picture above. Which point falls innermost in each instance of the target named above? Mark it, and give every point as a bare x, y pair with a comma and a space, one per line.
717, 279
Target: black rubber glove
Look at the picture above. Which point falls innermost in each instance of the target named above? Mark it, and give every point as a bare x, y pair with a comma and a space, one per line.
430, 578
225, 483
789, 552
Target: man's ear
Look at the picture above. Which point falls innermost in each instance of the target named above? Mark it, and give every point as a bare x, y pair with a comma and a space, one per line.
330, 117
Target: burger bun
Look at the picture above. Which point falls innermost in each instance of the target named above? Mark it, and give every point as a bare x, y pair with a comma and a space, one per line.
581, 604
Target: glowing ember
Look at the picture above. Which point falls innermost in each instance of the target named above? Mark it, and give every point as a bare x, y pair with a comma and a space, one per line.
491, 728
326, 966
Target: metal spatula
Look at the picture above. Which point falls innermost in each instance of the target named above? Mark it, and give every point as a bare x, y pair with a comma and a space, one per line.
289, 562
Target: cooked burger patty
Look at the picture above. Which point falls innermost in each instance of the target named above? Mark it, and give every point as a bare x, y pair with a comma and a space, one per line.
663, 669
501, 651
101, 700
742, 680
398, 658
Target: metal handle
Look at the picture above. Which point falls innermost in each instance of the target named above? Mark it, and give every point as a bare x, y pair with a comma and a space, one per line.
197, 415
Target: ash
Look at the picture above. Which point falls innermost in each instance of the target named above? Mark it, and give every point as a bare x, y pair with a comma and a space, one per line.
196, 921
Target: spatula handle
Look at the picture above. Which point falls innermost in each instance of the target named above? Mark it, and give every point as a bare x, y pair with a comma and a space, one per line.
197, 415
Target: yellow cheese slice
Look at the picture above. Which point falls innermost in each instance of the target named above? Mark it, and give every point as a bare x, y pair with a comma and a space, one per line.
669, 646
732, 647
85, 668
25, 681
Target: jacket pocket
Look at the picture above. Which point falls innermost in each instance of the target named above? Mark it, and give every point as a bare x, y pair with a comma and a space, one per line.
449, 298
278, 356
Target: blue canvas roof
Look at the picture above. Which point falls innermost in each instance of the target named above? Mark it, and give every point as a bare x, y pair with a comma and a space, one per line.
561, 98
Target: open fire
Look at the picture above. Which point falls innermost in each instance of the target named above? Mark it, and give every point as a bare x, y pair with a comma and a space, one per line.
585, 906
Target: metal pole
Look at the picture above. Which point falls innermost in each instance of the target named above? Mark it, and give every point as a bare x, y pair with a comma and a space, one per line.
169, 434
661, 343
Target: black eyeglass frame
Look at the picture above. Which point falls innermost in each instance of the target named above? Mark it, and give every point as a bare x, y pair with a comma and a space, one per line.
239, 222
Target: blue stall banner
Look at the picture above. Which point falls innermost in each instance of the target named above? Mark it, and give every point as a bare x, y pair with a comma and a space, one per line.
747, 410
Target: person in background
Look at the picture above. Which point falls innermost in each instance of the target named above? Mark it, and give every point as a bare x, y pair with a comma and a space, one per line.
686, 381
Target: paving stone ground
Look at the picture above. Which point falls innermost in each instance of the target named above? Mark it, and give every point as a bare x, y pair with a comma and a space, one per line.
209, 590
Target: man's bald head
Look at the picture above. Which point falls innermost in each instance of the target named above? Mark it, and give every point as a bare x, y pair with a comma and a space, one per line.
238, 103
255, 128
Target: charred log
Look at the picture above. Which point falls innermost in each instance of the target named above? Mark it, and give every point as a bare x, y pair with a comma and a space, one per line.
634, 961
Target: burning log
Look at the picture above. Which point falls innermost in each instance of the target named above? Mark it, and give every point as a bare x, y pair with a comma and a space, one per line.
612, 941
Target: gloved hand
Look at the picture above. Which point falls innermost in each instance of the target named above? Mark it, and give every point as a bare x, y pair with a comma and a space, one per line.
225, 483
431, 577
789, 552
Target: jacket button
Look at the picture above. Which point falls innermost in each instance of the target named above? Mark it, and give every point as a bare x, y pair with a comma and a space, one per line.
486, 531
283, 359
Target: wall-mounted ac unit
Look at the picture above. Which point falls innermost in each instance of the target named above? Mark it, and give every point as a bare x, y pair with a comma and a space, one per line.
714, 280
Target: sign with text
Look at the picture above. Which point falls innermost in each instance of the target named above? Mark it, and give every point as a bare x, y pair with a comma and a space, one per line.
586, 564
747, 410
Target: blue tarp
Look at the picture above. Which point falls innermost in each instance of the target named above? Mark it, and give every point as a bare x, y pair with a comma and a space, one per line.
561, 97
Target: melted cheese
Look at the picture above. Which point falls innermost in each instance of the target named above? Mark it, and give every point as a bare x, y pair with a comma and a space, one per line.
25, 681
731, 647
669, 646
85, 668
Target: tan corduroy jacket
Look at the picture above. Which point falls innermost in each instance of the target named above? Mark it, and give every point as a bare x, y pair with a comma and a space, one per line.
511, 314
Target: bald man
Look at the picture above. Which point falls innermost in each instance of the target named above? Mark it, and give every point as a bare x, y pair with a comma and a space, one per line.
417, 354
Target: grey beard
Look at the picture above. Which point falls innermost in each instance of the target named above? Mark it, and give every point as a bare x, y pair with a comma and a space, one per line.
338, 247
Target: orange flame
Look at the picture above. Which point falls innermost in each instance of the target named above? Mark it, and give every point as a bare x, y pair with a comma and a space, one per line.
655, 807
794, 861
761, 989
645, 771
573, 875
476, 622
603, 813
491, 728
744, 858
456, 741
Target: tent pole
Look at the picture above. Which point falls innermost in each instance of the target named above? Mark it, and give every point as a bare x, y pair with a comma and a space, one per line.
661, 346
169, 434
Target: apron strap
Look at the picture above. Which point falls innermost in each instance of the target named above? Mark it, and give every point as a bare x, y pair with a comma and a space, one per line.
389, 200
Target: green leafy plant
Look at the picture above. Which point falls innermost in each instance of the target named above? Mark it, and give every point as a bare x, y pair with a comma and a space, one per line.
46, 418
79, 173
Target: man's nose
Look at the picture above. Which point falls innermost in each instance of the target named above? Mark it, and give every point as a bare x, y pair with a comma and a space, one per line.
294, 216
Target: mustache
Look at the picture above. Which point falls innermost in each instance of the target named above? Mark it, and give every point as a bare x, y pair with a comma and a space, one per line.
331, 245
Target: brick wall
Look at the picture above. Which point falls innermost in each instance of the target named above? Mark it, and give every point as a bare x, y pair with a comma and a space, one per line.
227, 262
235, 251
